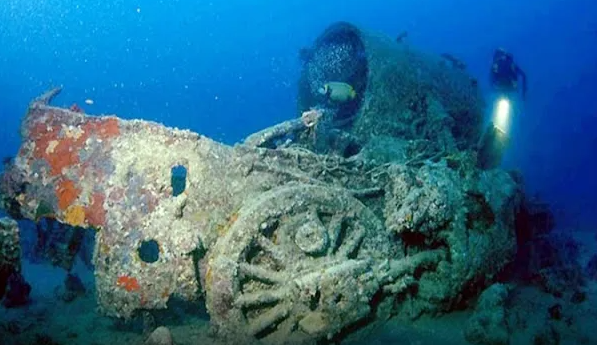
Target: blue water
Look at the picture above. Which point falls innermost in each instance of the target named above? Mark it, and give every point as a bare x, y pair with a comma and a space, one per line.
210, 66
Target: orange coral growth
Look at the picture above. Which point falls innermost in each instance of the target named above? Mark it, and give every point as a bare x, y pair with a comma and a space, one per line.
42, 134
64, 155
130, 284
67, 193
75, 215
59, 152
60, 147
104, 128
95, 213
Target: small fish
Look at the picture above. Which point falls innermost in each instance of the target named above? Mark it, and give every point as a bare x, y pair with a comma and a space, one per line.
338, 91
7, 160
89, 101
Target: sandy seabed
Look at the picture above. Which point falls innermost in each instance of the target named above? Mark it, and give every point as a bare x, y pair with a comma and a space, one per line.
49, 320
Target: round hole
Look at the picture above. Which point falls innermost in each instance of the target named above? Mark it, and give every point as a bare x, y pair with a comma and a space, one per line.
149, 251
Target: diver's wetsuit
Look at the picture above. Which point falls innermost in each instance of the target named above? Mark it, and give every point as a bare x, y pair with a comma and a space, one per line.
505, 73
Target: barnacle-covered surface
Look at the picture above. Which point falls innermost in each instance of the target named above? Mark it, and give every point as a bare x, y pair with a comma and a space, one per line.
469, 213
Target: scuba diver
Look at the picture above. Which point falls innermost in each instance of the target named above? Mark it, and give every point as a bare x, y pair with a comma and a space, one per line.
504, 80
505, 73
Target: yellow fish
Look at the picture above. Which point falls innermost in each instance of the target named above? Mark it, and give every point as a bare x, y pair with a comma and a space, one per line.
337, 91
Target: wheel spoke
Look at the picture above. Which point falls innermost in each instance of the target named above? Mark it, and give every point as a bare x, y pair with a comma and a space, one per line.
335, 229
352, 244
252, 299
268, 319
274, 252
261, 274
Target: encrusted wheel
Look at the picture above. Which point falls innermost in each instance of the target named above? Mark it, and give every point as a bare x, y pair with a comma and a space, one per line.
296, 265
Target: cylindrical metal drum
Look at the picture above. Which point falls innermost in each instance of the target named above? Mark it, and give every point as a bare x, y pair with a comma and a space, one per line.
401, 92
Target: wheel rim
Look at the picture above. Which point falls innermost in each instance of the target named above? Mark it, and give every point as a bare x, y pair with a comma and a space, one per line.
295, 265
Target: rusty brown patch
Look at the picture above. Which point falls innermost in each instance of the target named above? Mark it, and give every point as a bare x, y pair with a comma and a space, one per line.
103, 128
66, 193
60, 146
50, 147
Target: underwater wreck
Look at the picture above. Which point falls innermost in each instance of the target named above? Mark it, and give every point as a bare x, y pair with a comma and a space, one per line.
312, 230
